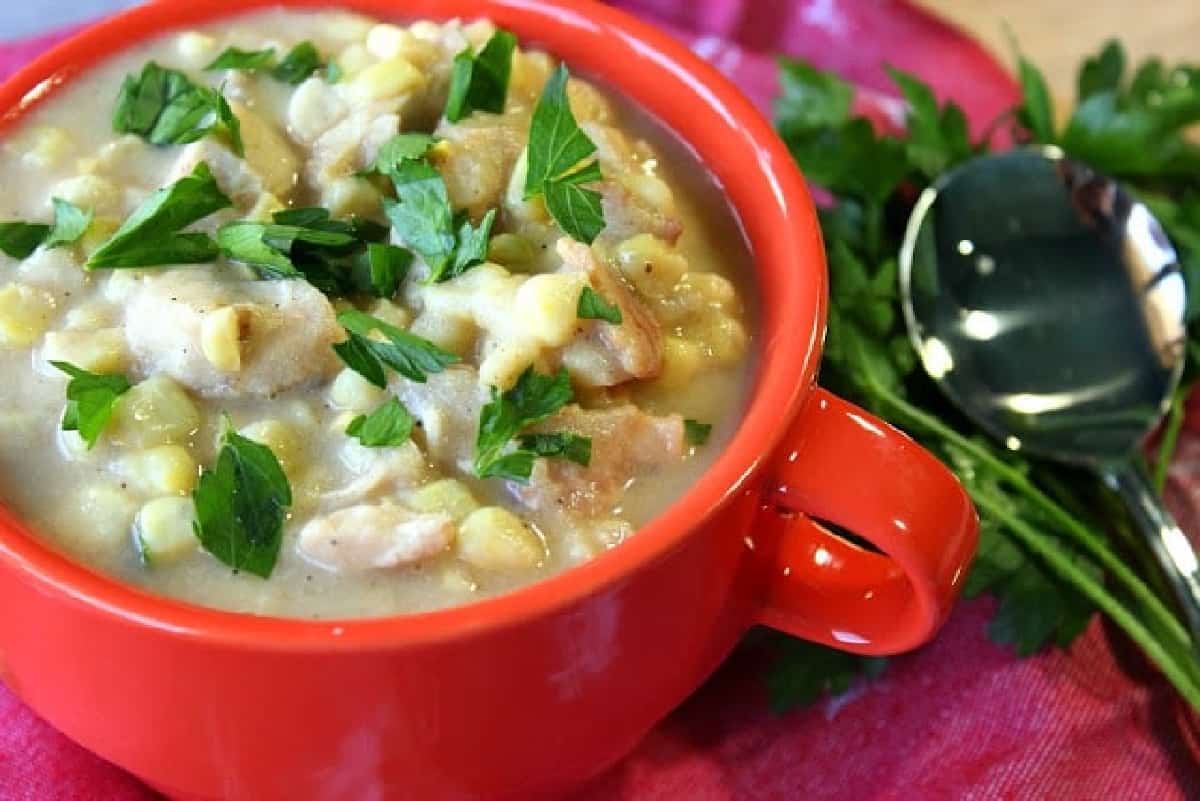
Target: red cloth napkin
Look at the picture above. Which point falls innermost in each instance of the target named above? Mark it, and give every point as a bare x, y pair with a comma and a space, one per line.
960, 720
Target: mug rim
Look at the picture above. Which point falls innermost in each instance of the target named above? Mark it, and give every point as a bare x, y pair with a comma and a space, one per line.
768, 197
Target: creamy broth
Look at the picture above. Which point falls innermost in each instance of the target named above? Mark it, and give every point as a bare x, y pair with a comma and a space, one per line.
95, 504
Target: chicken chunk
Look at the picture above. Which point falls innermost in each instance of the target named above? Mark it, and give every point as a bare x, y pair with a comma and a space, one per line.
634, 202
447, 406
480, 154
270, 165
373, 537
351, 144
626, 442
282, 338
606, 354
380, 473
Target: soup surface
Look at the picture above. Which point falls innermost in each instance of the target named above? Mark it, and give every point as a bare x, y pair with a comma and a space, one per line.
308, 315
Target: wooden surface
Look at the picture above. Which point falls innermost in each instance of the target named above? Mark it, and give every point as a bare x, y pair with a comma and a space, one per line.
1056, 34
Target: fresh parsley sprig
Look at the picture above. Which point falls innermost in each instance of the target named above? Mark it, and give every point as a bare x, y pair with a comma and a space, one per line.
90, 401
559, 161
164, 107
1049, 535
20, 239
532, 399
241, 504
408, 354
152, 237
389, 425
479, 82
593, 306
297, 65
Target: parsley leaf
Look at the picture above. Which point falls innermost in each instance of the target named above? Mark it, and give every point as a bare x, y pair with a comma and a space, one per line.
70, 223
593, 306
421, 215
555, 168
407, 354
399, 149
299, 63
1102, 72
389, 425
471, 246
695, 432
240, 506
234, 58
533, 398
571, 447
801, 672
20, 239
936, 139
151, 238
164, 107
381, 268
480, 82
90, 400
1036, 111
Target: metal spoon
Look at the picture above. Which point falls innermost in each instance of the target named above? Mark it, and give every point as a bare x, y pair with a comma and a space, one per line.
1048, 304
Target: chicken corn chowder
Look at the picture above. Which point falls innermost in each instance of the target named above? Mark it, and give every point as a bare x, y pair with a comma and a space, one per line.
309, 315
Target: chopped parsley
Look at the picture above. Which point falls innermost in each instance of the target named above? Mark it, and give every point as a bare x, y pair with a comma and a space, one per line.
299, 63
164, 107
532, 399
560, 161
240, 505
20, 239
151, 236
480, 82
90, 400
389, 425
593, 306
695, 432
234, 58
407, 354
400, 148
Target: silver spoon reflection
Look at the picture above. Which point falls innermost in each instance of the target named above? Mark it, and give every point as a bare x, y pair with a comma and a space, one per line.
1048, 304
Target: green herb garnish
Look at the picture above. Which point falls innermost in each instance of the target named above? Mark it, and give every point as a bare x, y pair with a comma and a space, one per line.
151, 236
234, 58
299, 63
480, 82
389, 425
1049, 535
90, 400
20, 239
571, 447
532, 399
381, 268
407, 354
558, 163
399, 149
164, 107
695, 432
240, 505
593, 306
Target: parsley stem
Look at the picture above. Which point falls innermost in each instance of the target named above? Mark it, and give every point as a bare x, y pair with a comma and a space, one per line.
1060, 561
1092, 542
1170, 437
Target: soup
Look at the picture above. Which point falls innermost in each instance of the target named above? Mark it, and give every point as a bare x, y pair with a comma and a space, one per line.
340, 318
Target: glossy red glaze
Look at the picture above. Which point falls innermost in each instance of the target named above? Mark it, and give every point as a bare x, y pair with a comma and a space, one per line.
526, 695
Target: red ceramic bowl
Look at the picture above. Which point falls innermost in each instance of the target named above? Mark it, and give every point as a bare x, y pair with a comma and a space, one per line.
526, 695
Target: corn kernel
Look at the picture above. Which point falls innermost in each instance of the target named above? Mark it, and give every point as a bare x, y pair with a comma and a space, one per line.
514, 194
424, 29
682, 359
156, 411
448, 332
105, 514
165, 530
390, 312
717, 290
351, 196
478, 32
651, 190
162, 470
195, 47
88, 192
348, 27
285, 440
724, 337
390, 78
100, 351
493, 538
46, 147
504, 363
220, 339
386, 41
547, 306
511, 250
25, 312
651, 265
446, 496
99, 232
350, 390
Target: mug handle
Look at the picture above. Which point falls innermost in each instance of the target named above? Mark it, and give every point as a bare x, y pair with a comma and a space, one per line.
842, 466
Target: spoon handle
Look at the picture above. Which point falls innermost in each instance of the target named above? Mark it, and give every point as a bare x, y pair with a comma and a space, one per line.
1171, 546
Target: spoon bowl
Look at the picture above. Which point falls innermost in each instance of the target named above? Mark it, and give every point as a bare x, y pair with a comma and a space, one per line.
1049, 305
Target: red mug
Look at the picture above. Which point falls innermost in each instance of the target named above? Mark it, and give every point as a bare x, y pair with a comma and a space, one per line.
529, 694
